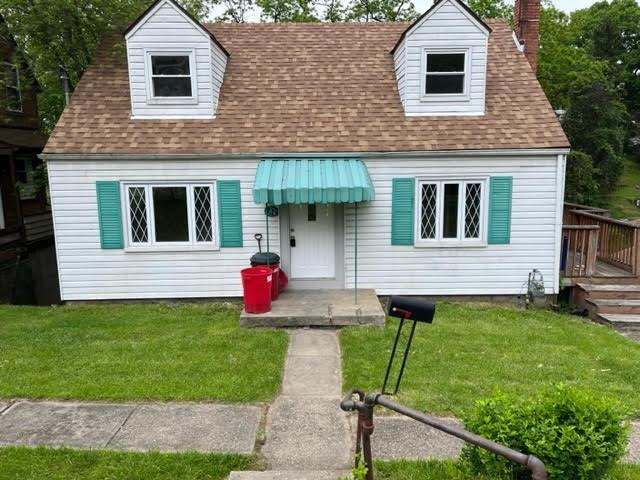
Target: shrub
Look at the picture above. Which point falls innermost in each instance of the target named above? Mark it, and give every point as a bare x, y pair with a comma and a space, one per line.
577, 435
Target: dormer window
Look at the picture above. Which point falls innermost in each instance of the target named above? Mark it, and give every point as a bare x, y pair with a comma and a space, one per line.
171, 77
445, 72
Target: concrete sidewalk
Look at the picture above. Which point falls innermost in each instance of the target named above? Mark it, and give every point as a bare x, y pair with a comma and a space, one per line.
140, 427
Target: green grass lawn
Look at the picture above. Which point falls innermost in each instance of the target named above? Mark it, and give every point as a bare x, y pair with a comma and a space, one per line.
620, 201
471, 349
137, 352
448, 470
21, 463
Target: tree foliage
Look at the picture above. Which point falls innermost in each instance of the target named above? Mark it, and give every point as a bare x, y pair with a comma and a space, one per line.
492, 9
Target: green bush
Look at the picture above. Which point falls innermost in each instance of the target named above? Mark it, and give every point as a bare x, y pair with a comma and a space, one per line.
577, 435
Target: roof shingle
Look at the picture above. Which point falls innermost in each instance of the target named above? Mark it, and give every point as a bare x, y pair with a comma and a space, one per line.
327, 87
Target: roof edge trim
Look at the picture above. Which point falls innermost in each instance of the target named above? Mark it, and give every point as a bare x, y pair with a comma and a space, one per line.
507, 152
141, 18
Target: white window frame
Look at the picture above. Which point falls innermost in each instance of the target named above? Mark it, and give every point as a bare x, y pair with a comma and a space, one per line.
148, 72
460, 240
445, 97
18, 87
27, 190
152, 244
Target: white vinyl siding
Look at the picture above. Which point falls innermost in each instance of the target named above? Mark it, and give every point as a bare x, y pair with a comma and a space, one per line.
459, 270
447, 28
168, 30
89, 272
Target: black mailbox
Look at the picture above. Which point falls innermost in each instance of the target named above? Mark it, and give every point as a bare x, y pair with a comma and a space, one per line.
411, 308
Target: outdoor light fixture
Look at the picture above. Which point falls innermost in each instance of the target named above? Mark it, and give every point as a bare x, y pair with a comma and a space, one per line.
409, 309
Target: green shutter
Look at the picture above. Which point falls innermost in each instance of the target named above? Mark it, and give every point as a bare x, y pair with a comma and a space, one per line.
402, 207
229, 213
500, 191
109, 213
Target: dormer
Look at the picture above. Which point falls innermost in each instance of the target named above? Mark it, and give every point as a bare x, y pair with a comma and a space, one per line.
441, 62
176, 66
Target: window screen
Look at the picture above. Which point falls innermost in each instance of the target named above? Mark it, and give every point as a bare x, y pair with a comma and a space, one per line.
445, 73
12, 87
171, 76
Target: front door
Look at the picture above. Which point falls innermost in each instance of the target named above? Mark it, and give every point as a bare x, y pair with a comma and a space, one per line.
312, 240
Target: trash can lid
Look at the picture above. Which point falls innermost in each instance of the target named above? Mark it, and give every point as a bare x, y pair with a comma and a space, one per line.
265, 258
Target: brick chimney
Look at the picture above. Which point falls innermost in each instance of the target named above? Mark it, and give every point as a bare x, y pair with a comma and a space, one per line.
526, 19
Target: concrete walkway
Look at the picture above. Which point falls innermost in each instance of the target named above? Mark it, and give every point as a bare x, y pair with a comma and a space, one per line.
308, 436
164, 427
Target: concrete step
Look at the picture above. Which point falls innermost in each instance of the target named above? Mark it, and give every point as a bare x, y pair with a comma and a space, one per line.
289, 475
615, 305
622, 322
611, 290
319, 308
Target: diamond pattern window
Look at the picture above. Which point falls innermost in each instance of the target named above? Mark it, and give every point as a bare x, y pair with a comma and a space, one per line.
445, 73
472, 212
451, 212
203, 214
164, 215
138, 215
428, 221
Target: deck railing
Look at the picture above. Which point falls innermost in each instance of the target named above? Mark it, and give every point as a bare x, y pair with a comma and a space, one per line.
580, 250
618, 242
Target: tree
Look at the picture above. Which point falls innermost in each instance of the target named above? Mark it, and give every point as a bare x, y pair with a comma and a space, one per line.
610, 32
581, 185
596, 124
234, 10
492, 9
288, 10
563, 66
382, 10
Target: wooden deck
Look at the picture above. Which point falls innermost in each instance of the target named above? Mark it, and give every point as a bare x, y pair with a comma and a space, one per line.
604, 269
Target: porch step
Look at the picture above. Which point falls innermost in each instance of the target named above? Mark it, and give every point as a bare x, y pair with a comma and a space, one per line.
616, 305
631, 291
319, 308
624, 323
288, 475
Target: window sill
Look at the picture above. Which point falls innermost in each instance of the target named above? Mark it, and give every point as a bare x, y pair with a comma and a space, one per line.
173, 248
172, 101
452, 244
448, 98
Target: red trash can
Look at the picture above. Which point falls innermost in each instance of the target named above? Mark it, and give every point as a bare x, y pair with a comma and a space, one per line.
272, 261
256, 284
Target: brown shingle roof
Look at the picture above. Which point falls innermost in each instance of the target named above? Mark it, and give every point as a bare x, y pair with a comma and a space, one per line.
309, 88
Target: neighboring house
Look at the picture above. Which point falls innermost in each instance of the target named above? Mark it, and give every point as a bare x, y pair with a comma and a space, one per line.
20, 144
27, 257
428, 152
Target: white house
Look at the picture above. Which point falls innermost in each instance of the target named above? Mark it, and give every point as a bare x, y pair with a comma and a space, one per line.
424, 156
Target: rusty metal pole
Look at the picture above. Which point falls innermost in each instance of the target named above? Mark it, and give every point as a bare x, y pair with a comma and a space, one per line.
367, 431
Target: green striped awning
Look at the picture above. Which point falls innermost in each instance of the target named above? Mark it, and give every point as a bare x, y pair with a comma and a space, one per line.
286, 181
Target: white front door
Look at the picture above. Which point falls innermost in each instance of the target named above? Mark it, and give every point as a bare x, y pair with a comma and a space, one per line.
313, 242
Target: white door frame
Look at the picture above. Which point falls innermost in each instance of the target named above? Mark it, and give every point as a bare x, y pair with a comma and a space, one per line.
285, 250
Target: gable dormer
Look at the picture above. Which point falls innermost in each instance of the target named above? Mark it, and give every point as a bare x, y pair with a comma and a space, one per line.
441, 62
176, 66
